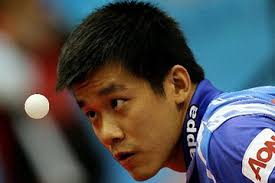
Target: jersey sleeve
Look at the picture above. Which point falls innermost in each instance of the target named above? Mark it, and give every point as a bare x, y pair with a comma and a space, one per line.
243, 150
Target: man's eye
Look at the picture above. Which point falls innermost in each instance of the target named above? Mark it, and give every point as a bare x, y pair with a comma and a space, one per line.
91, 114
116, 103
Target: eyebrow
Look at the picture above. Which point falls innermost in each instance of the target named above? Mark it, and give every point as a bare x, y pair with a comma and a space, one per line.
111, 88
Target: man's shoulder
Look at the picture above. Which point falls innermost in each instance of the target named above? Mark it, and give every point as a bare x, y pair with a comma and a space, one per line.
243, 148
231, 123
254, 101
238, 132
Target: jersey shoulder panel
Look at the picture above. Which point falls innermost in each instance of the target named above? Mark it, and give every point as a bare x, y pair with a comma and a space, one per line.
243, 150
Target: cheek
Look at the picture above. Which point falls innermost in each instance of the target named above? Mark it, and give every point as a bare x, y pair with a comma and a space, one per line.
156, 138
154, 130
141, 117
152, 124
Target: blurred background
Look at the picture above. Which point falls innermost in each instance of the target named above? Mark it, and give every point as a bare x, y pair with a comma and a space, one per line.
233, 40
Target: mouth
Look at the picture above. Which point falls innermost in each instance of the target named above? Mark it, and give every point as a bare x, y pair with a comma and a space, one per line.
126, 159
124, 156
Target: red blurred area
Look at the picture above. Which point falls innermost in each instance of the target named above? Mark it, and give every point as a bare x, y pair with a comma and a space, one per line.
29, 47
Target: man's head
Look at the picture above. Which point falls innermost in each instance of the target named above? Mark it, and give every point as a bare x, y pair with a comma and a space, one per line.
132, 73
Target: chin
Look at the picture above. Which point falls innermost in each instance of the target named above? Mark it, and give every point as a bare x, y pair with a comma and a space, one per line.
140, 175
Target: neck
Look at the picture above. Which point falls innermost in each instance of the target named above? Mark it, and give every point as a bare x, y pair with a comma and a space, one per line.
176, 161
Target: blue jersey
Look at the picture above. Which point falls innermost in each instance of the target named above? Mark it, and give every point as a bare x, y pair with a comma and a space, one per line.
230, 137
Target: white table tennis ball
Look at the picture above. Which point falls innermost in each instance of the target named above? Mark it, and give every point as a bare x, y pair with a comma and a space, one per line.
37, 106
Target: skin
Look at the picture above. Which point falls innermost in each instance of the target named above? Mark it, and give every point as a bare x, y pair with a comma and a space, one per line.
127, 116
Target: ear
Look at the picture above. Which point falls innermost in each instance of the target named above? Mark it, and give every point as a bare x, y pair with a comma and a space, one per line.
179, 83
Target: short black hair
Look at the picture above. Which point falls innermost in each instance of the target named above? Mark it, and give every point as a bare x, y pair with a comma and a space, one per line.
137, 35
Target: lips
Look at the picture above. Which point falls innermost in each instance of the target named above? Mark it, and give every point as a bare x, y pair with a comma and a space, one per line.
123, 156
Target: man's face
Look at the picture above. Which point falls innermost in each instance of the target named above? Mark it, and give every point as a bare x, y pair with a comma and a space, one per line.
137, 126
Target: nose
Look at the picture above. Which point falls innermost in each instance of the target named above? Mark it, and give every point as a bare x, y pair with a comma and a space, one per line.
110, 133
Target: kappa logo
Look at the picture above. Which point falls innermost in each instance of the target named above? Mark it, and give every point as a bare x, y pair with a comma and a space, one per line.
259, 158
191, 130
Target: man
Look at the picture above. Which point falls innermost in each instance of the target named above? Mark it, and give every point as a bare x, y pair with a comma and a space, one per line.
135, 78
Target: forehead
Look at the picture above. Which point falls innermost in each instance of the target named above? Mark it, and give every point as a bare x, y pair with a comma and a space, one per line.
112, 77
